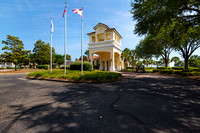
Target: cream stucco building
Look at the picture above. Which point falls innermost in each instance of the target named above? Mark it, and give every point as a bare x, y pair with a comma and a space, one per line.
106, 42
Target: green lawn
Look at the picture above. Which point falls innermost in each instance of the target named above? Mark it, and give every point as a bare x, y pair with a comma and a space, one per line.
74, 75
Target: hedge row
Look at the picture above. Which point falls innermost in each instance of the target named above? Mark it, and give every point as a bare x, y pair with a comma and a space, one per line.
179, 72
149, 67
67, 67
164, 67
96, 76
77, 66
10, 67
43, 66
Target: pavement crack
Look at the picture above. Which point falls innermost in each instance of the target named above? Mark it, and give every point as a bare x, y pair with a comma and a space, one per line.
124, 112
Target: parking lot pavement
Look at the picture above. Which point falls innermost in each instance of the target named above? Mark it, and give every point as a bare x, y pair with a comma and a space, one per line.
140, 103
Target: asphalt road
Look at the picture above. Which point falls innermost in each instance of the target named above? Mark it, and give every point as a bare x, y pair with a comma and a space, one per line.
140, 103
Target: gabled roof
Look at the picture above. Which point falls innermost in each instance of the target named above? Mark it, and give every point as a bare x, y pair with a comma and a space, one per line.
90, 33
101, 24
114, 30
107, 29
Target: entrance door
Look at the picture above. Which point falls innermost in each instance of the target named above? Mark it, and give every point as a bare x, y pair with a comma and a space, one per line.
103, 65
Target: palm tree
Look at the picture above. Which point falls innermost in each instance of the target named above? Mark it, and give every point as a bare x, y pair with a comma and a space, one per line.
133, 54
138, 55
126, 56
147, 61
175, 59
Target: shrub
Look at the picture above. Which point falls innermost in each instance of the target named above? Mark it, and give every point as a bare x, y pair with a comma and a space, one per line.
10, 67
188, 74
164, 71
170, 72
100, 76
96, 66
149, 67
67, 67
178, 68
74, 75
178, 72
77, 66
1, 68
194, 69
129, 67
156, 70
43, 66
164, 67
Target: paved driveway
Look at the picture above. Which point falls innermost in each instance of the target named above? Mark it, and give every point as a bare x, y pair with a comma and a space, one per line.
140, 103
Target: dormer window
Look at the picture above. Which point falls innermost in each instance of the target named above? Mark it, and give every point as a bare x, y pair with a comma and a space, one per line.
108, 36
100, 37
93, 38
102, 33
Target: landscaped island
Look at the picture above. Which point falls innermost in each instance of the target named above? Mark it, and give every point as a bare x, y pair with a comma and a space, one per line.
75, 75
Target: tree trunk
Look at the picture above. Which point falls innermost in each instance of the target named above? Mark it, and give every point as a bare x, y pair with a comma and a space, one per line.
15, 67
186, 63
34, 65
133, 62
124, 64
166, 64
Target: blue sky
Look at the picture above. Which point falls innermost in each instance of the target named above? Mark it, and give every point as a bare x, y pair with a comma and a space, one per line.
30, 21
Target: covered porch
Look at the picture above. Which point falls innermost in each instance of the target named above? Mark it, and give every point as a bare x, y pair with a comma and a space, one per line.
109, 60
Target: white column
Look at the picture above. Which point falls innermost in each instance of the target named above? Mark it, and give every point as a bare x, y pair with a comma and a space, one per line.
100, 62
96, 40
119, 63
112, 61
91, 58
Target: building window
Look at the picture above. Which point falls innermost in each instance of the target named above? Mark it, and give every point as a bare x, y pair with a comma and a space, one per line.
93, 38
117, 39
108, 36
100, 37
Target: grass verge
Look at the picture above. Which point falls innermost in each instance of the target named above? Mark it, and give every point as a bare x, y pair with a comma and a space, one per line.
74, 75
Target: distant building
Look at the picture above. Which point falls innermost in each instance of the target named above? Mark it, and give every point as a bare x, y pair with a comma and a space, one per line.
4, 65
95, 59
106, 43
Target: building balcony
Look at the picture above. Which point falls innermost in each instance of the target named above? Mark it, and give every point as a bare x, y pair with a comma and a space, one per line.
100, 43
104, 44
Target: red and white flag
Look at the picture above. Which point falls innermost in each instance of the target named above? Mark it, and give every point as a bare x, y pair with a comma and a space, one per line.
64, 12
78, 11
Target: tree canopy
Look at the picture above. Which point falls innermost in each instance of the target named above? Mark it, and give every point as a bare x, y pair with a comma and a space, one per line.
175, 59
68, 57
194, 61
14, 51
152, 15
59, 60
170, 24
42, 52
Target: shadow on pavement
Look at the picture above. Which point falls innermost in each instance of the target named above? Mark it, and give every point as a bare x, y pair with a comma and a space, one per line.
131, 105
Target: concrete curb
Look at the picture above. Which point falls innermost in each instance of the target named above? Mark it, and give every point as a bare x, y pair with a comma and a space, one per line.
69, 81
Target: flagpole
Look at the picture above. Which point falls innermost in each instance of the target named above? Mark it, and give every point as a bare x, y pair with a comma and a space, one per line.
65, 37
51, 50
82, 43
